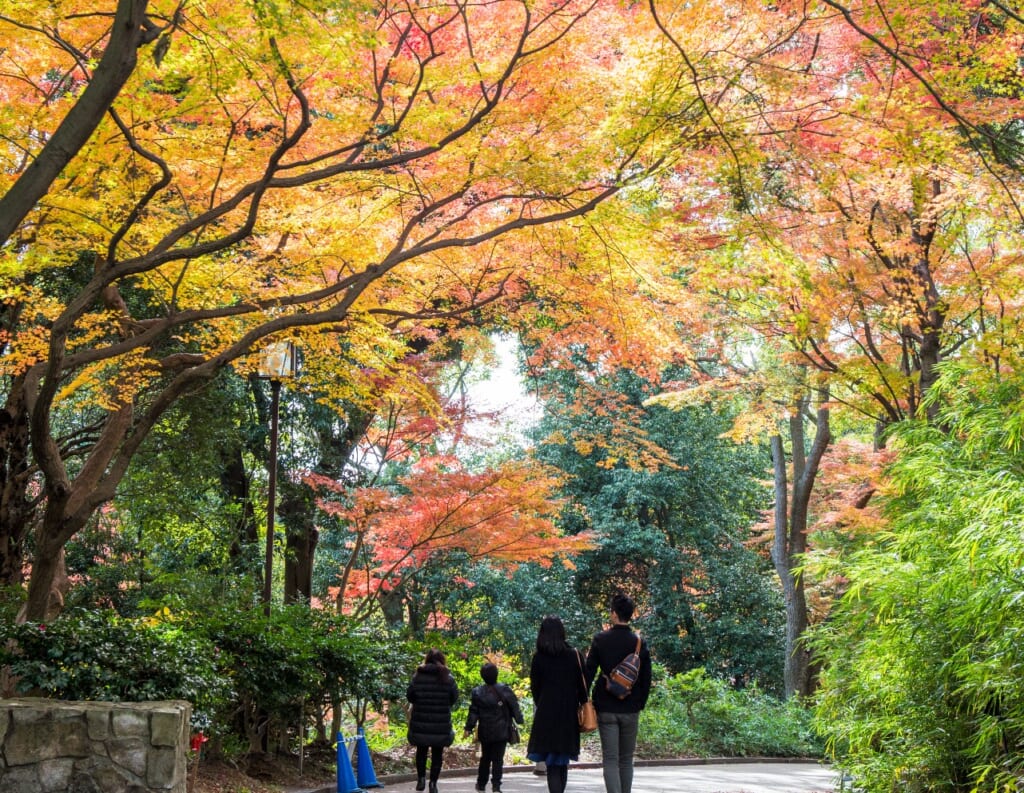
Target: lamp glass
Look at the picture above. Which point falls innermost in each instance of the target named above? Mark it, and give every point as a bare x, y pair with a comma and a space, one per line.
277, 360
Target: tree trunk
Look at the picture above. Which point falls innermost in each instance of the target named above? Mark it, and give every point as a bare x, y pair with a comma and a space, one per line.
129, 31
790, 537
298, 502
392, 605
297, 511
47, 587
234, 482
16, 507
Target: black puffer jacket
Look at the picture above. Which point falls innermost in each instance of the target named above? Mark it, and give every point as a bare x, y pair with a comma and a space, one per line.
432, 693
493, 707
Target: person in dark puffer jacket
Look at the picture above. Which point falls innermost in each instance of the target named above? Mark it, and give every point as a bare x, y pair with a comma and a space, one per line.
432, 694
494, 707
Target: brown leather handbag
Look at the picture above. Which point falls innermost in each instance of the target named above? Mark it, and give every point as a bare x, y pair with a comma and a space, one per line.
586, 714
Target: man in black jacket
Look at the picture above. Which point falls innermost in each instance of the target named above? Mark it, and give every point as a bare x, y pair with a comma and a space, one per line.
618, 719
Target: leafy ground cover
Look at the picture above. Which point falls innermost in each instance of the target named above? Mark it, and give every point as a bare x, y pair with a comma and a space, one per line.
270, 775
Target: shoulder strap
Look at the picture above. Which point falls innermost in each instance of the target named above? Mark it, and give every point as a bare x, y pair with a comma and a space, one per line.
501, 690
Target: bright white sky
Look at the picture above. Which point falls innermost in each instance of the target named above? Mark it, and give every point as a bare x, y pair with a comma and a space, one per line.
503, 390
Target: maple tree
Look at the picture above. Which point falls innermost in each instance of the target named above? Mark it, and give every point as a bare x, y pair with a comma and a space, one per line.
963, 58
504, 514
860, 229
182, 185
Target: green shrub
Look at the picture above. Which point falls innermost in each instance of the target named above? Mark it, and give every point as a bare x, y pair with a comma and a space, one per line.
924, 653
90, 655
694, 714
301, 658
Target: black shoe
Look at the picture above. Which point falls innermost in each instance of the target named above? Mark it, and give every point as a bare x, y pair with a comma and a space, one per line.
433, 787
480, 788
421, 782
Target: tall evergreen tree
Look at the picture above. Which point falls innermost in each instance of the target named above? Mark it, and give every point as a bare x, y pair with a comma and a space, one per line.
672, 532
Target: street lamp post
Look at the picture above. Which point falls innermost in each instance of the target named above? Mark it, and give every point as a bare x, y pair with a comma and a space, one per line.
276, 363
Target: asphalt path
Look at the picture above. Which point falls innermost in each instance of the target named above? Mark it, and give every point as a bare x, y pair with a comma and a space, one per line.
730, 777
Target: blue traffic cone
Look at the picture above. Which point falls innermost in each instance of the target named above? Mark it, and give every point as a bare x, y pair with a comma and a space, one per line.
346, 779
364, 763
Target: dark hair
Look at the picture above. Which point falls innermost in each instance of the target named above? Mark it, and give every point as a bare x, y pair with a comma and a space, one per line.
489, 673
623, 606
436, 657
551, 636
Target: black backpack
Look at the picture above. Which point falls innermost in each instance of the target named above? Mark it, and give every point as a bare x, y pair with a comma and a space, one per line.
619, 682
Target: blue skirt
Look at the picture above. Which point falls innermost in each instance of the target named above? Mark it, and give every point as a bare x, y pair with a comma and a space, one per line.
551, 758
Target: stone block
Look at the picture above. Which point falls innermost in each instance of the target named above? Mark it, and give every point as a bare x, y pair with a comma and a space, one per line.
34, 740
111, 779
129, 722
69, 711
83, 784
165, 726
55, 775
82, 776
99, 723
28, 711
18, 780
129, 753
164, 771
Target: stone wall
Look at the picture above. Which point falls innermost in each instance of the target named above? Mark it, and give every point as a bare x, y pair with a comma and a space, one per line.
49, 746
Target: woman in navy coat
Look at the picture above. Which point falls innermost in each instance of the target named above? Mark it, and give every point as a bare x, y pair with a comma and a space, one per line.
556, 682
432, 693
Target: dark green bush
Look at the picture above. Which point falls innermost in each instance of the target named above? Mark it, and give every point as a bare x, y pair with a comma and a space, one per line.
246, 674
694, 714
96, 655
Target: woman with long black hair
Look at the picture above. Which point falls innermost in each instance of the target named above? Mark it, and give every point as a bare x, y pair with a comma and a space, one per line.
432, 693
556, 682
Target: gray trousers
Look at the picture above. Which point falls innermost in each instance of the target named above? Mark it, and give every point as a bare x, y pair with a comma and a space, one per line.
618, 742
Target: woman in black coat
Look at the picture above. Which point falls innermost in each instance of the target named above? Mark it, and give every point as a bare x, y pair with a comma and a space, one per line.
432, 694
556, 682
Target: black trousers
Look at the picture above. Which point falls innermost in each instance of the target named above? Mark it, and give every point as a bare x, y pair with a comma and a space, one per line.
558, 776
436, 756
492, 759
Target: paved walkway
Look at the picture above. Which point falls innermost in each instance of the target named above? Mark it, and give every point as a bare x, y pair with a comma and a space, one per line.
725, 777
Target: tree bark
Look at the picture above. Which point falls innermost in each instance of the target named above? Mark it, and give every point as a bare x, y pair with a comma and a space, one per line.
297, 512
298, 502
790, 536
16, 506
234, 482
129, 31
46, 602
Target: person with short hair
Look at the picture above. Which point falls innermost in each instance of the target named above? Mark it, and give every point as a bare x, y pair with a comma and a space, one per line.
432, 693
556, 683
493, 708
618, 719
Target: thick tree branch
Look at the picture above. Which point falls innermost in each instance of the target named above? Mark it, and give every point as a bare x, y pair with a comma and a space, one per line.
130, 30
